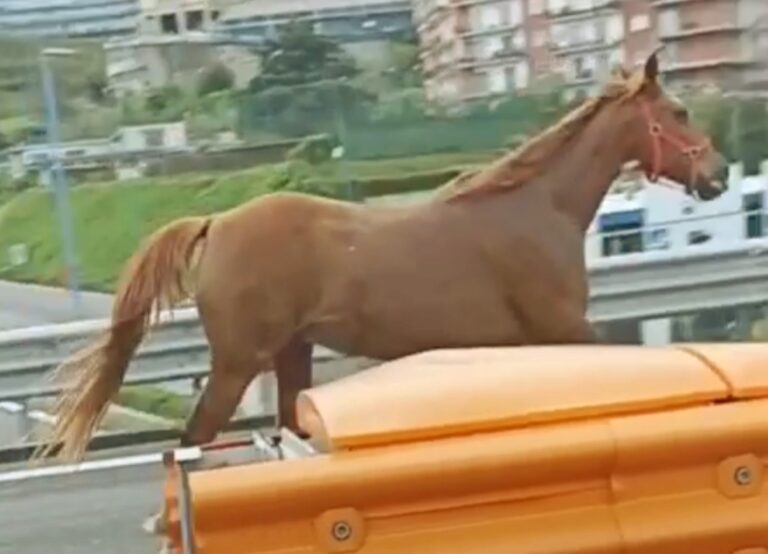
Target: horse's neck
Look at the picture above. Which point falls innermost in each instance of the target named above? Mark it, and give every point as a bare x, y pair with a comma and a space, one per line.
580, 178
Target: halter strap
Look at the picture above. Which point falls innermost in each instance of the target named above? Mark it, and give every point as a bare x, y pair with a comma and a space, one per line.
657, 133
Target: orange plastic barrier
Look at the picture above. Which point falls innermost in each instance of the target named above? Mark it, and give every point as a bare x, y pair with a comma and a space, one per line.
536, 450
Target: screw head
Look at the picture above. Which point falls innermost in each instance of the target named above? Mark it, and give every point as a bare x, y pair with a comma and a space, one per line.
743, 476
341, 530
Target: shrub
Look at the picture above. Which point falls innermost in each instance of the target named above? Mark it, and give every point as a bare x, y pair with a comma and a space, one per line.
313, 150
215, 78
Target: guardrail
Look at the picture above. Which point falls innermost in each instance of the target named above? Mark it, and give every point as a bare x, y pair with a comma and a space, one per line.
175, 351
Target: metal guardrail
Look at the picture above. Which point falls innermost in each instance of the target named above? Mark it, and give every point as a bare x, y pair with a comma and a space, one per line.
176, 351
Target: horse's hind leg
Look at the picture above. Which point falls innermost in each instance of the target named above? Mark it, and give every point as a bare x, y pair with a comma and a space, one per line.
217, 404
221, 396
293, 368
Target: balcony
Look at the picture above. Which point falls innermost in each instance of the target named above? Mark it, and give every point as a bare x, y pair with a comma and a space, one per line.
496, 29
567, 12
581, 46
664, 3
692, 30
709, 63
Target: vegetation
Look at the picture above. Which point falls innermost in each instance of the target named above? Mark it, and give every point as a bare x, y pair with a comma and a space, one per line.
298, 56
157, 401
112, 218
80, 83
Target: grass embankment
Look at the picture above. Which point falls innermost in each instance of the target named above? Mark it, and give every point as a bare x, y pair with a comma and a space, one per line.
112, 218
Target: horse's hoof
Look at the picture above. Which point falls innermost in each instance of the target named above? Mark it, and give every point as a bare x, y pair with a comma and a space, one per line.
153, 525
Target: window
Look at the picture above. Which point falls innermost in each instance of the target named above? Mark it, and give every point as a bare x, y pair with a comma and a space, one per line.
614, 28
517, 41
194, 20
754, 218
491, 46
497, 81
522, 73
669, 22
515, 12
536, 7
153, 138
168, 24
490, 17
622, 232
639, 23
698, 237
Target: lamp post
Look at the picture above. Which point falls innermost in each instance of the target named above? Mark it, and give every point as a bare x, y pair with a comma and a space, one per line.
58, 179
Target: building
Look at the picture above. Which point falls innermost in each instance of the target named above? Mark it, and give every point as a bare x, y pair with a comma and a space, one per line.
120, 155
364, 28
345, 21
650, 217
481, 48
69, 18
177, 17
174, 42
722, 43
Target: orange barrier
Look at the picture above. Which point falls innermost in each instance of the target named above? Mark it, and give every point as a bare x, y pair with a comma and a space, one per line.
536, 450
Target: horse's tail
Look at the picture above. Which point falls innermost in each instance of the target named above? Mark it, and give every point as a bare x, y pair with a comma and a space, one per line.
153, 280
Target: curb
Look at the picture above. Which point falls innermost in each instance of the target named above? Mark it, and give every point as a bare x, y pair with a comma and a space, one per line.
17, 454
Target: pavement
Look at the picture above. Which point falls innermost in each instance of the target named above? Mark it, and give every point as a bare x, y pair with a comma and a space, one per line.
24, 305
81, 513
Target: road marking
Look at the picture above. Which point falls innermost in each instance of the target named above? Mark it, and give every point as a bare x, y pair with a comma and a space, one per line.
36, 415
11, 407
69, 469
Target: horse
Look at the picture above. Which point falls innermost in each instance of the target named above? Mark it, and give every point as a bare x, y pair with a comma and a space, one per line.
494, 258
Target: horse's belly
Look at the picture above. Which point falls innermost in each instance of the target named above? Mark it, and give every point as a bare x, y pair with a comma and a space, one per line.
391, 329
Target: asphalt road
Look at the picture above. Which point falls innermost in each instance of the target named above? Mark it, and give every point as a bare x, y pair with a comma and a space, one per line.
92, 513
24, 305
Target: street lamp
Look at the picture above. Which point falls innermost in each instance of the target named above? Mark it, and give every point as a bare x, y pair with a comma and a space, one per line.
58, 179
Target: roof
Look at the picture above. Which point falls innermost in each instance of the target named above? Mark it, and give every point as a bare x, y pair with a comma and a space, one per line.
464, 391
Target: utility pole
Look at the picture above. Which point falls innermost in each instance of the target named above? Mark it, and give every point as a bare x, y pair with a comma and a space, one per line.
58, 178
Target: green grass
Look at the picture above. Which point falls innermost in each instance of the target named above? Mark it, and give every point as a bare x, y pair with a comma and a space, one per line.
112, 218
157, 401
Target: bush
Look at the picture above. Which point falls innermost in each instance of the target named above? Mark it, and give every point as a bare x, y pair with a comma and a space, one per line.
215, 78
313, 150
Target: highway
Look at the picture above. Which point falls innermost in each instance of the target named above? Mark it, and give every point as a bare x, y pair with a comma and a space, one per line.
90, 513
23, 305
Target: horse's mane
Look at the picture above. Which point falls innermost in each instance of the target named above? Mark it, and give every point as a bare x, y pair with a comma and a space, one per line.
525, 163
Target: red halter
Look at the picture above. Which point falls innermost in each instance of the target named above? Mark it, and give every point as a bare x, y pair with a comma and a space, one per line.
691, 151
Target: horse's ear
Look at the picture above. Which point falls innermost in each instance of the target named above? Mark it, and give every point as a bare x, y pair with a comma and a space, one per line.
652, 65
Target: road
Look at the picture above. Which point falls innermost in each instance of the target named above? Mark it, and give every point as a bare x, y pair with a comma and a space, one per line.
23, 305
91, 513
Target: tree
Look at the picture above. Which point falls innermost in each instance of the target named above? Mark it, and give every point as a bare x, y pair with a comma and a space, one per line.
215, 78
299, 56
405, 71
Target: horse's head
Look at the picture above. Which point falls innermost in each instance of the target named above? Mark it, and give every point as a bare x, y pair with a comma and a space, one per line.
668, 145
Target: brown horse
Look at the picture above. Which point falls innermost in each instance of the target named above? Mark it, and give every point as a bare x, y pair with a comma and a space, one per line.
495, 259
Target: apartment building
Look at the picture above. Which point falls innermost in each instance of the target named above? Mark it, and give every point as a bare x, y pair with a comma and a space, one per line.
480, 48
68, 18
472, 49
714, 42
